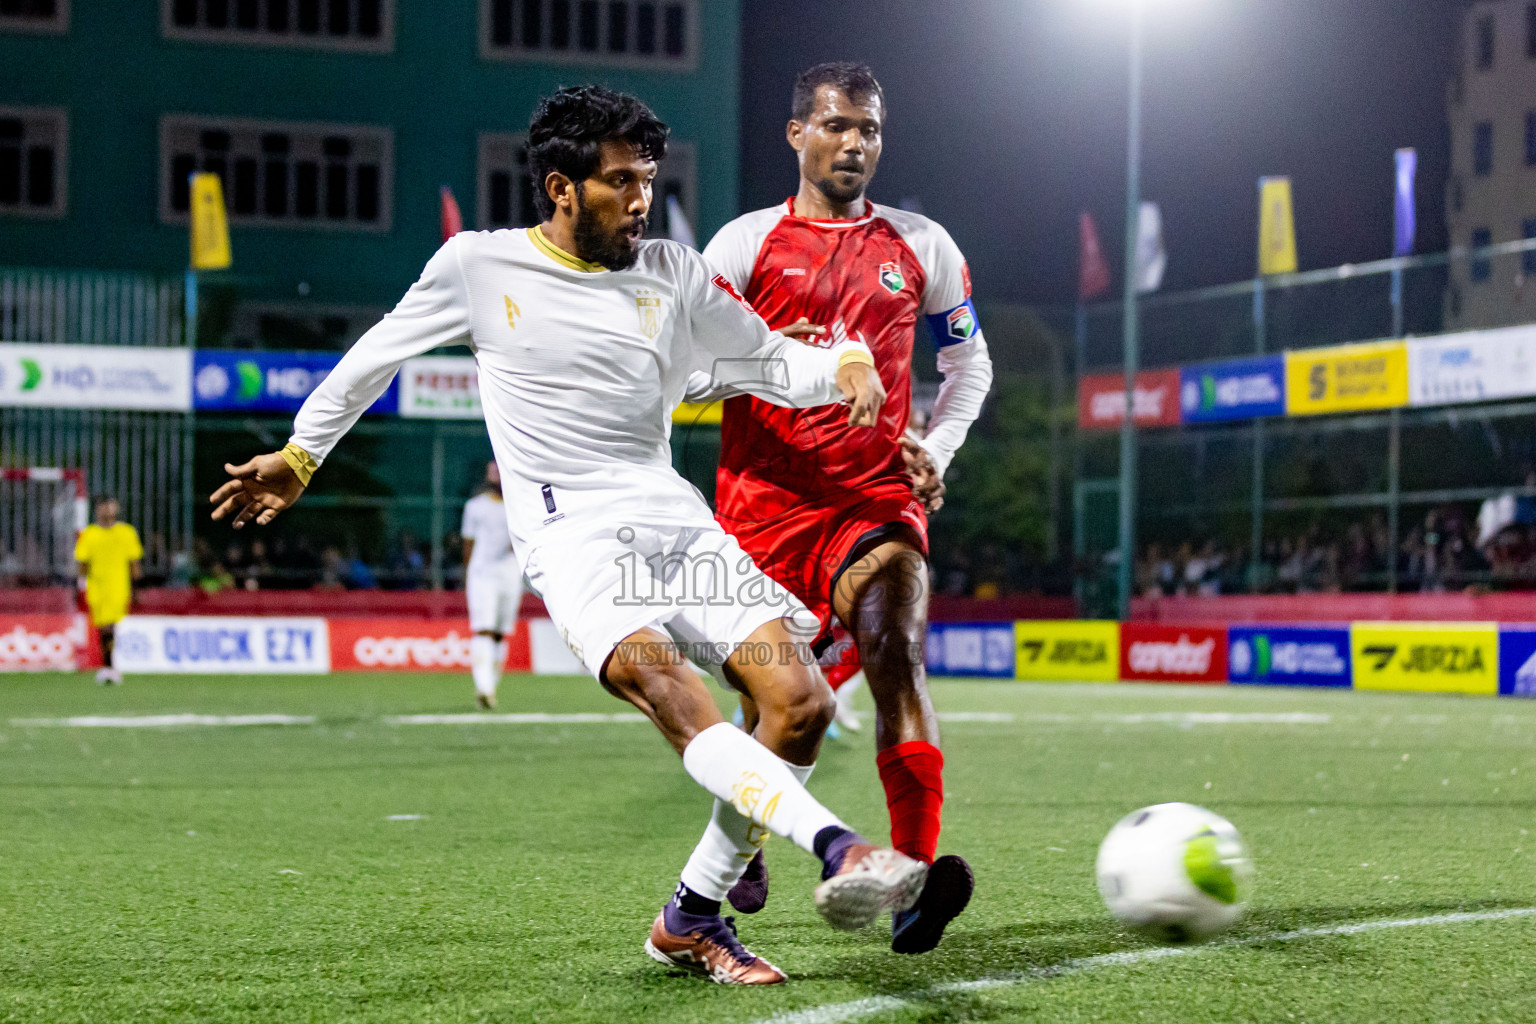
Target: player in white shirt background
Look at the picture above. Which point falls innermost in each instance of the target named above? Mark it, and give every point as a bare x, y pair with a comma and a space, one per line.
493, 585
585, 335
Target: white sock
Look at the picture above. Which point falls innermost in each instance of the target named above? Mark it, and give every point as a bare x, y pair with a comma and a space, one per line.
742, 772
498, 662
482, 664
728, 845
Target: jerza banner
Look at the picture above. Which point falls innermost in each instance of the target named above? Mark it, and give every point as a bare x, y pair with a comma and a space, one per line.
1235, 390
1346, 378
1101, 399
1289, 655
1154, 652
1473, 366
267, 381
223, 645
96, 377
1440, 657
1067, 650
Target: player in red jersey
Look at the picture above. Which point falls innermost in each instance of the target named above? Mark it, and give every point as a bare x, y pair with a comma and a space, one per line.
839, 517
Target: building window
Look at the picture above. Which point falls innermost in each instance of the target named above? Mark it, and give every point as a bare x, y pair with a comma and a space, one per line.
1482, 148
622, 33
1530, 30
1481, 266
1485, 43
34, 15
33, 147
367, 25
280, 173
505, 191
1530, 138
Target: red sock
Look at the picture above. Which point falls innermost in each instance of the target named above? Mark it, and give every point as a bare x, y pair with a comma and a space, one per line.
913, 775
846, 668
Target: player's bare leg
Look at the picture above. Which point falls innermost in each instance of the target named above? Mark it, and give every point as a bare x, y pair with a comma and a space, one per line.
882, 597
487, 655
755, 792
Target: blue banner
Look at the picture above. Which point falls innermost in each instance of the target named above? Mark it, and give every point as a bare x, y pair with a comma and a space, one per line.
1288, 655
224, 381
1517, 661
1403, 210
971, 649
1239, 389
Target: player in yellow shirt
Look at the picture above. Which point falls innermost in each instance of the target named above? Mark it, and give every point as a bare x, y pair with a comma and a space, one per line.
108, 552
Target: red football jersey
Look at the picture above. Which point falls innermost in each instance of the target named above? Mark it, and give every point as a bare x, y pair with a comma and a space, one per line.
868, 278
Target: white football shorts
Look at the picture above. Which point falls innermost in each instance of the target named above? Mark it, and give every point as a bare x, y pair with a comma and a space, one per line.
494, 594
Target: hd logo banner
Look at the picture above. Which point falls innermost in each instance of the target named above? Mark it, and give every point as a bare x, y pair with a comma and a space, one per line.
1289, 656
1067, 651
1517, 661
970, 649
1346, 378
1439, 657
1235, 390
261, 381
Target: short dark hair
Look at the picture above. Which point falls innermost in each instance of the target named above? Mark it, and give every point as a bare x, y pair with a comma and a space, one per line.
569, 128
102, 499
853, 78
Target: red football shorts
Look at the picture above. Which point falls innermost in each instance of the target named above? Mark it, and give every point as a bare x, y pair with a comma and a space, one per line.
807, 548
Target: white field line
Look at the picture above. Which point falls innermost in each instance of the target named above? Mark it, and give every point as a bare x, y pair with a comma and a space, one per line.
158, 721
858, 1009
533, 718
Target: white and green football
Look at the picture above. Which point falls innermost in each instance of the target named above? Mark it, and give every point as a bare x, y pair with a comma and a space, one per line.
1176, 872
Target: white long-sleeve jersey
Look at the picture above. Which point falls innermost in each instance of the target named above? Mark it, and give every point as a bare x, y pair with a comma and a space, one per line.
580, 368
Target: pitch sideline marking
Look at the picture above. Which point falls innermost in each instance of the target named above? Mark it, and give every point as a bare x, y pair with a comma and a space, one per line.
857, 1009
160, 721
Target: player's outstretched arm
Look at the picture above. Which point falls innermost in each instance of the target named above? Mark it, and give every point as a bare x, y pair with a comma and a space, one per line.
257, 490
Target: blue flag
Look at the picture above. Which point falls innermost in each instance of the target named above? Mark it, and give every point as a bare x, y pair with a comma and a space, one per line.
1407, 167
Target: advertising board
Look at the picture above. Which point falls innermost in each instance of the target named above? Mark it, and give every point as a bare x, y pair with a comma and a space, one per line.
1289, 655
1472, 366
1238, 389
96, 377
971, 649
1346, 378
59, 643
266, 381
1517, 661
1101, 399
414, 644
223, 645
1067, 650
1439, 657
440, 387
1152, 652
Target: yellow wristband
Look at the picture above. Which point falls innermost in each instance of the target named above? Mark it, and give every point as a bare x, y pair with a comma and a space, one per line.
855, 355
300, 461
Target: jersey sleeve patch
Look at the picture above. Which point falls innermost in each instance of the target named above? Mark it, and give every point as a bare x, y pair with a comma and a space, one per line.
730, 289
953, 326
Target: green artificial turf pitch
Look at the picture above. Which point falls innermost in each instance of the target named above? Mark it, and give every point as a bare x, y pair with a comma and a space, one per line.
259, 873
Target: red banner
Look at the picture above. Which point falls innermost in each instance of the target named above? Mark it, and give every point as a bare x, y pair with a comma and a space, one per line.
1173, 654
414, 645
55, 642
1101, 400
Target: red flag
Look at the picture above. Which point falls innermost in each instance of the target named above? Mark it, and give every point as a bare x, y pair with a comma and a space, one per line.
1092, 269
453, 220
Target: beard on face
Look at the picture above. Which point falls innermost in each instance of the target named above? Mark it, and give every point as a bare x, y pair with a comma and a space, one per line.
838, 193
612, 249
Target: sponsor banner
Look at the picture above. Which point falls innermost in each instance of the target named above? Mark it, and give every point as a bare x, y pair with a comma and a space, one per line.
266, 381
1067, 650
1474, 366
413, 645
96, 377
1235, 390
971, 649
1346, 378
441, 388
1517, 661
1101, 399
1289, 655
59, 643
1173, 654
1444, 657
223, 645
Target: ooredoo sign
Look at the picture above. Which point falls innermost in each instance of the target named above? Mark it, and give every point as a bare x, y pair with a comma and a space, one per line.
1150, 652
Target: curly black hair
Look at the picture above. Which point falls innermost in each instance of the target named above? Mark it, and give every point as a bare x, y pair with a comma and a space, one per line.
569, 128
853, 79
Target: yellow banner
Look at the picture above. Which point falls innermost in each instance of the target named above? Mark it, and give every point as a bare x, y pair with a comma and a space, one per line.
210, 228
1277, 228
1346, 378
1067, 650
694, 413
1441, 657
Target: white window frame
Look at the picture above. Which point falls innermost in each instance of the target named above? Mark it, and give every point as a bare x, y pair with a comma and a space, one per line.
323, 40
60, 208
384, 136
681, 164
54, 26
601, 57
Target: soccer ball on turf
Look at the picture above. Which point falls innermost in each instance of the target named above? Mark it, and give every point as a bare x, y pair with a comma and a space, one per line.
1176, 872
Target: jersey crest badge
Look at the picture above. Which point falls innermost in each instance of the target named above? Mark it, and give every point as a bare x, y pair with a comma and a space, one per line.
648, 304
730, 289
512, 312
962, 322
890, 277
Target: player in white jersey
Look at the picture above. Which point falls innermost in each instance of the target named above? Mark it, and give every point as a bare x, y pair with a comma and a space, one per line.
585, 336
493, 585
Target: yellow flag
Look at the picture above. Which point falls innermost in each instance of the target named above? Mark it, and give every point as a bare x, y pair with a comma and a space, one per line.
210, 228
1277, 231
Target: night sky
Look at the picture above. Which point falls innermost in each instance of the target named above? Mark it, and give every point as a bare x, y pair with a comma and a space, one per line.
1006, 117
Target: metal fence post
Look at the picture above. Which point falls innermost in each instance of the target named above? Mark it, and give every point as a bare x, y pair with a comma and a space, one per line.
1256, 524
436, 572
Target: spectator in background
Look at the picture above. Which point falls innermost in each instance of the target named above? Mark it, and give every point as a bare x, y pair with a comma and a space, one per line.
109, 554
407, 569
